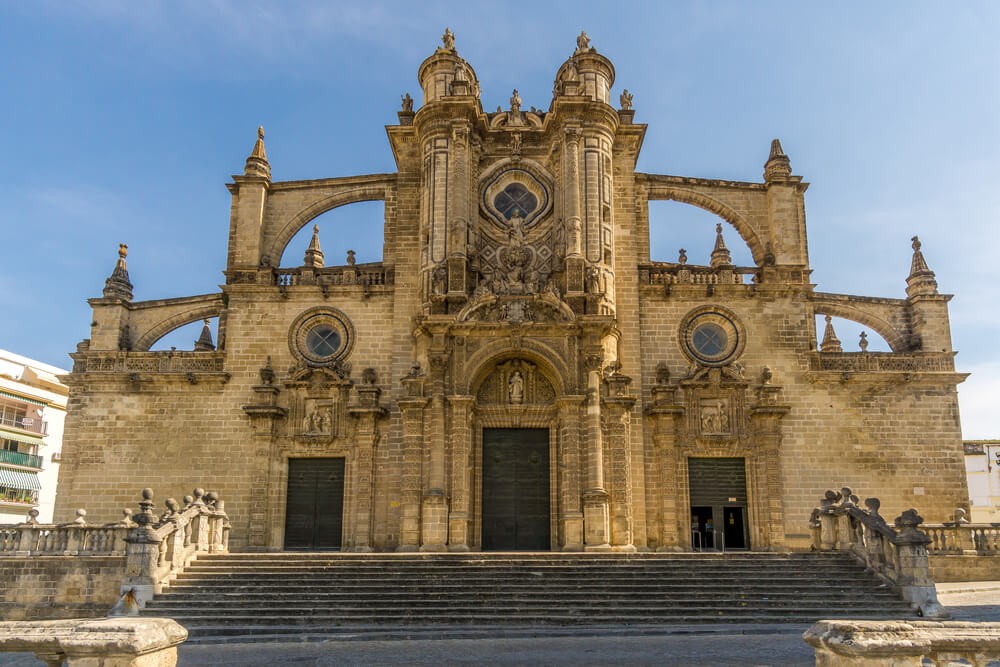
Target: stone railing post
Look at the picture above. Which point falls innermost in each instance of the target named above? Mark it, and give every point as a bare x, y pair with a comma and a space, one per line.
915, 581
142, 554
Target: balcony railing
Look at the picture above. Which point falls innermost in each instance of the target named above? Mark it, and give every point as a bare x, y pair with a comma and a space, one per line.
20, 459
29, 424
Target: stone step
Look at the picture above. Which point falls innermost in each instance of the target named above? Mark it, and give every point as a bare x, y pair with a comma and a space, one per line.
230, 595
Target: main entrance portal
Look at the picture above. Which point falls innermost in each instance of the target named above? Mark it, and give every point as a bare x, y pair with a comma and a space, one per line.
718, 503
516, 489
314, 517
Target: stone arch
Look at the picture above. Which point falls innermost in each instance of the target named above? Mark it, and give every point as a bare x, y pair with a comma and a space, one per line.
548, 360
174, 321
893, 337
712, 205
283, 232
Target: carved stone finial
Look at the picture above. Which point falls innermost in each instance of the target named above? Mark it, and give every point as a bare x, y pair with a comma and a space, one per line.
257, 164
778, 167
830, 341
921, 280
583, 43
267, 372
907, 523
145, 515
765, 375
32, 518
625, 100
720, 253
407, 103
314, 254
662, 373
863, 342
117, 286
682, 257
204, 342
960, 515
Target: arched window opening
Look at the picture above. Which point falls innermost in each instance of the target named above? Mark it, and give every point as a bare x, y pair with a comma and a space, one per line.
674, 225
190, 336
358, 227
848, 336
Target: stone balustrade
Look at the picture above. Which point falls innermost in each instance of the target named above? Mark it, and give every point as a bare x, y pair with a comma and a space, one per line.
981, 539
333, 276
897, 554
882, 362
171, 361
110, 642
683, 274
904, 643
154, 549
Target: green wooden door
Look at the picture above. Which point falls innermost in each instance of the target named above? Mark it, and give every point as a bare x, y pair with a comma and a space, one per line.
314, 516
516, 490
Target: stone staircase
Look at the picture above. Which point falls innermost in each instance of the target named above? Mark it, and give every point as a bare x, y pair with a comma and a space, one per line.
275, 595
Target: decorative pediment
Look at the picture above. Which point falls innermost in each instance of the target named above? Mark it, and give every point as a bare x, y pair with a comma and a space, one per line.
545, 307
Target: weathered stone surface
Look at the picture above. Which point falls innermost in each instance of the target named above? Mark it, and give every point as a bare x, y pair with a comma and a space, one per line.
902, 644
104, 642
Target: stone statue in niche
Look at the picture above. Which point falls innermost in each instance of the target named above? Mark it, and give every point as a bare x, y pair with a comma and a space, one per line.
439, 280
515, 388
594, 280
715, 416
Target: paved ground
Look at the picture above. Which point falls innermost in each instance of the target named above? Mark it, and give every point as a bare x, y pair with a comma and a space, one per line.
716, 645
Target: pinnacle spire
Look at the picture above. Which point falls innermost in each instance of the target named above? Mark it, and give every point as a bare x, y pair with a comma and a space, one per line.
720, 253
921, 279
117, 286
778, 167
204, 342
257, 164
314, 254
830, 341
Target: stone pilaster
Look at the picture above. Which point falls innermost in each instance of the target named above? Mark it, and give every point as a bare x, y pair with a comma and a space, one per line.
767, 515
617, 416
460, 415
265, 417
571, 409
434, 504
366, 414
411, 408
575, 264
668, 420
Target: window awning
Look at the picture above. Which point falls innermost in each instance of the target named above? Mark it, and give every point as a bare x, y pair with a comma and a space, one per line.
16, 479
20, 437
23, 399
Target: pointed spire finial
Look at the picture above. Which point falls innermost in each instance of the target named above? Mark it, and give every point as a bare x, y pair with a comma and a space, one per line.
720, 253
204, 342
830, 341
314, 254
117, 286
921, 280
778, 167
257, 164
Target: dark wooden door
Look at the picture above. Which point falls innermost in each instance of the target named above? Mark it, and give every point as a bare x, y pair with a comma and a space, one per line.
718, 488
516, 489
314, 518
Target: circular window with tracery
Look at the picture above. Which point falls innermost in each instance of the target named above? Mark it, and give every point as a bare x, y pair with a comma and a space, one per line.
515, 192
515, 199
321, 336
712, 336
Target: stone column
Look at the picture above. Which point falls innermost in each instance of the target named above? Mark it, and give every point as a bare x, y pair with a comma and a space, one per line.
434, 507
574, 223
570, 472
595, 497
458, 210
460, 409
412, 410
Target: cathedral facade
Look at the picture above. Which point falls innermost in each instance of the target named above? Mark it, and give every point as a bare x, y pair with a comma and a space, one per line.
516, 373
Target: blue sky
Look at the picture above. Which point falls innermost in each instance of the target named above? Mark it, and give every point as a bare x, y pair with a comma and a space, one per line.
124, 120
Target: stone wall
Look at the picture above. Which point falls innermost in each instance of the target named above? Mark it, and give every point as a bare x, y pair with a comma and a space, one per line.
949, 569
48, 587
